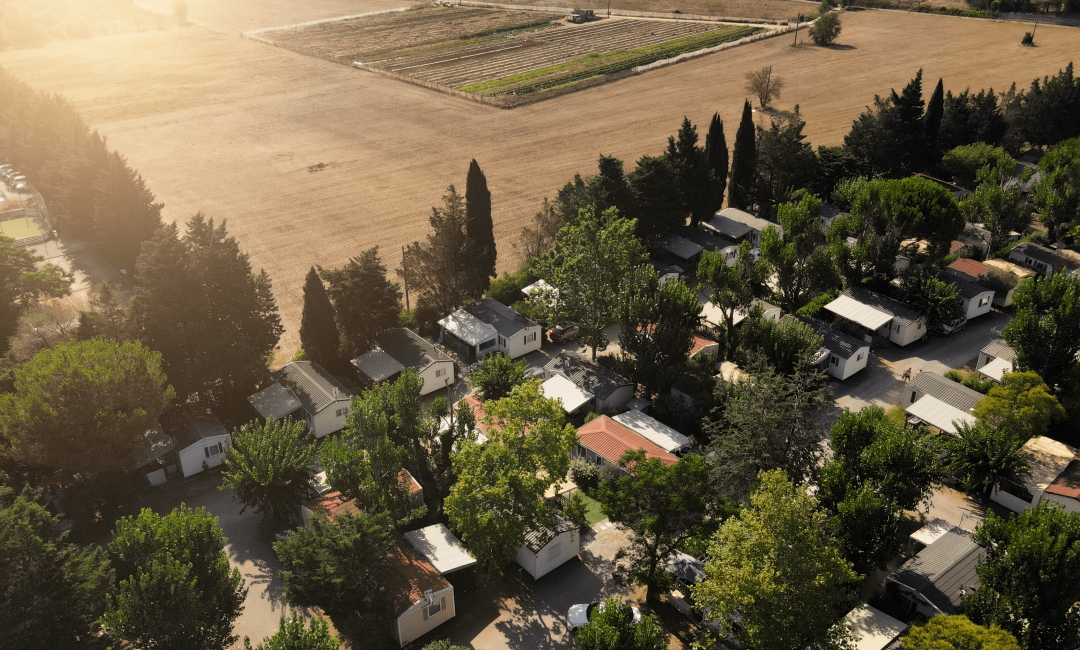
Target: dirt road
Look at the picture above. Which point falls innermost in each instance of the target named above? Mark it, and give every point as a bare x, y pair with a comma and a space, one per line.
229, 126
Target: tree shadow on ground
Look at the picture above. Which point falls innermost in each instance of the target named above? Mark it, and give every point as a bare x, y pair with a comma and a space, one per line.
841, 48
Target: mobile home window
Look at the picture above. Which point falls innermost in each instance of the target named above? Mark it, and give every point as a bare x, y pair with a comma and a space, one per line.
859, 358
434, 608
835, 361
212, 450
898, 328
440, 372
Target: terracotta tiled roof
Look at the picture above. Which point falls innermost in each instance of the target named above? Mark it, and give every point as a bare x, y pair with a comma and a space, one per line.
956, 245
407, 479
611, 440
700, 344
333, 504
479, 413
409, 577
1067, 484
970, 267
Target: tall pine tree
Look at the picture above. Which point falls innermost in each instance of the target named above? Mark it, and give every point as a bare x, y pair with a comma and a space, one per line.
935, 110
125, 214
743, 162
480, 232
319, 335
365, 301
716, 152
695, 179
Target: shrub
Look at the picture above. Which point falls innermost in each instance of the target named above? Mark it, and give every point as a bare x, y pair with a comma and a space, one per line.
955, 376
977, 383
826, 29
507, 287
586, 475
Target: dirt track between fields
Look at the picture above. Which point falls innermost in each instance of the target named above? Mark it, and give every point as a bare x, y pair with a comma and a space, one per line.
229, 126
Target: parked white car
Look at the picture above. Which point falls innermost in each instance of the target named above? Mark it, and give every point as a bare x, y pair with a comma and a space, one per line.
582, 615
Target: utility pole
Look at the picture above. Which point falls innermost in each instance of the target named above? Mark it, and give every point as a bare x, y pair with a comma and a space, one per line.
797, 21
405, 276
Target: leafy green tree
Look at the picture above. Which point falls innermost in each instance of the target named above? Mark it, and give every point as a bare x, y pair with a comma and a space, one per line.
827, 26
733, 288
958, 633
663, 505
610, 188
499, 493
776, 569
51, 591
1022, 403
888, 139
364, 463
716, 153
174, 586
658, 323
479, 230
767, 423
1046, 330
21, 284
106, 317
804, 267
785, 164
198, 302
85, 406
1057, 196
365, 301
437, 270
613, 629
269, 467
292, 635
337, 565
971, 118
999, 209
588, 266
538, 238
834, 165
743, 162
655, 184
878, 471
965, 162
985, 454
1021, 587
936, 299
786, 345
319, 335
496, 376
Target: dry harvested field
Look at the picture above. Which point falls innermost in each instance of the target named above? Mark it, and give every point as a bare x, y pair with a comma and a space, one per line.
235, 16
512, 55
229, 126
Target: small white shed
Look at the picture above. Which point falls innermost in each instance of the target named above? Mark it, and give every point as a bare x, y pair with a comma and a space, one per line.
546, 549
201, 439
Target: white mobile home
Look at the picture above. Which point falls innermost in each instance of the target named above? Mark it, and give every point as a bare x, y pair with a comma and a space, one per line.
546, 549
399, 348
325, 401
939, 401
201, 439
487, 326
276, 402
609, 389
1049, 461
844, 355
1040, 258
879, 316
444, 551
422, 599
739, 226
995, 360
936, 580
975, 299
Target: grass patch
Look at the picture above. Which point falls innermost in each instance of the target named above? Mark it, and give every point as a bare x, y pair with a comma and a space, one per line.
595, 64
19, 228
594, 515
897, 414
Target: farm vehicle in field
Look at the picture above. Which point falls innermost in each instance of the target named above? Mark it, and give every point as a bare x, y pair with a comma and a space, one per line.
581, 15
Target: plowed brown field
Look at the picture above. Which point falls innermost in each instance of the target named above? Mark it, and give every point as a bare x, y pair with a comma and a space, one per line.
229, 126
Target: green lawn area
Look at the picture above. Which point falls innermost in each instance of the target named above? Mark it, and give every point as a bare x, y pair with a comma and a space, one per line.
594, 516
18, 228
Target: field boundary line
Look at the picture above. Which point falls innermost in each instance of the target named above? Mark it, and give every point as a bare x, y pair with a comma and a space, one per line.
335, 19
686, 56
624, 13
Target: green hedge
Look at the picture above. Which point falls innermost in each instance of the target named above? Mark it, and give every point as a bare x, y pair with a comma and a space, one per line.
953, 11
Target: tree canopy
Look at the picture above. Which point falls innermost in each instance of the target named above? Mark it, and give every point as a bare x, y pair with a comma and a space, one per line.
1022, 403
613, 629
85, 406
319, 335
479, 231
497, 375
21, 284
776, 570
174, 587
365, 301
1021, 587
500, 488
958, 633
292, 635
733, 288
268, 466
1046, 330
1057, 196
436, 270
804, 267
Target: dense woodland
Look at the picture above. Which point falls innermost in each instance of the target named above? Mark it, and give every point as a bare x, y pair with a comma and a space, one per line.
203, 325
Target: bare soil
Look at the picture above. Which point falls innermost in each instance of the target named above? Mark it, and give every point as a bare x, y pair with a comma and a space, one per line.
230, 126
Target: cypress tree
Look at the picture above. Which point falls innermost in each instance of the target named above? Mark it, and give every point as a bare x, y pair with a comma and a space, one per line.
935, 109
743, 162
319, 335
125, 214
716, 153
609, 188
480, 231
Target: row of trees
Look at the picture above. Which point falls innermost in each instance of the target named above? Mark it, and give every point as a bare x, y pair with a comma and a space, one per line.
90, 190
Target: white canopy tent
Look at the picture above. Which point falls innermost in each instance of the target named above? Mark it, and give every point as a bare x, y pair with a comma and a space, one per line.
939, 414
853, 310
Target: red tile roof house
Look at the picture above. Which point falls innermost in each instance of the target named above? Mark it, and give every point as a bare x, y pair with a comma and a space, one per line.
704, 346
968, 267
604, 441
422, 599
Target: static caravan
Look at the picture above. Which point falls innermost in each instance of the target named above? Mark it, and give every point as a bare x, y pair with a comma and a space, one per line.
201, 439
546, 549
844, 355
487, 326
399, 348
609, 390
1053, 476
325, 401
975, 299
422, 599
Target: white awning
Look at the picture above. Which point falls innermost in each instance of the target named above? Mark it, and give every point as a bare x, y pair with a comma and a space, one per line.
872, 628
937, 528
853, 310
561, 388
377, 365
996, 368
939, 414
653, 430
468, 328
441, 548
